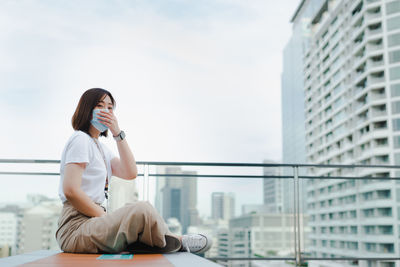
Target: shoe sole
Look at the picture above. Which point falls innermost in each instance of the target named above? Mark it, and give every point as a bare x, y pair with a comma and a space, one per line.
172, 245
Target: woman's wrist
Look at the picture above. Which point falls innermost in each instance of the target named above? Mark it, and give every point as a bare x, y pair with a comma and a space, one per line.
116, 132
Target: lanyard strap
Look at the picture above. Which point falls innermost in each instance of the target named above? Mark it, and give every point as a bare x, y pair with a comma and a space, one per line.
105, 163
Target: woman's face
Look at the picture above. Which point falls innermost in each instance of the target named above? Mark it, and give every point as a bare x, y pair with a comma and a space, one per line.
105, 103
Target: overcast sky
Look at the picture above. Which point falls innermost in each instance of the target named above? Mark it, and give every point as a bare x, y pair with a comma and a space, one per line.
193, 80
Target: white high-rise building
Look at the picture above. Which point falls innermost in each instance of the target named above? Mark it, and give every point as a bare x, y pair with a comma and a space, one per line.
352, 116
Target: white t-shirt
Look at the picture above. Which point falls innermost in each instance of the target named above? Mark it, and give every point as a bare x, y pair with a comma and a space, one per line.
81, 148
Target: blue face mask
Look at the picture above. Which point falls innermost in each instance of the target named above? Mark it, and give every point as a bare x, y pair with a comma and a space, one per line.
95, 121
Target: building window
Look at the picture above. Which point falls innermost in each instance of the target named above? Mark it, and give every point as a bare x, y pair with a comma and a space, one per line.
385, 212
394, 39
352, 245
367, 196
397, 159
396, 125
353, 214
392, 7
388, 264
369, 229
395, 73
385, 229
383, 194
394, 56
353, 230
393, 23
396, 107
387, 248
370, 247
395, 89
368, 213
396, 141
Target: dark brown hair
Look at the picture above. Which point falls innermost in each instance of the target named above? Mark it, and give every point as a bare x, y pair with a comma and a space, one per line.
83, 113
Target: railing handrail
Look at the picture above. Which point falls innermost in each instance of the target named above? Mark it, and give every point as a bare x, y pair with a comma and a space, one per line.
226, 164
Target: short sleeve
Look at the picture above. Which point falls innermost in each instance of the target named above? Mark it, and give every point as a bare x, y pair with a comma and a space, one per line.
78, 150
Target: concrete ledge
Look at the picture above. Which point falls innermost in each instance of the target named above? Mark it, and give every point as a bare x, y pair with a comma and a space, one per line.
58, 258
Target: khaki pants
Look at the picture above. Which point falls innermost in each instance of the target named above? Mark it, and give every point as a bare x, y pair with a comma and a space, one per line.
111, 233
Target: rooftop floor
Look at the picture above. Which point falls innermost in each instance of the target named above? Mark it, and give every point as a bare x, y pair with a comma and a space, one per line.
57, 258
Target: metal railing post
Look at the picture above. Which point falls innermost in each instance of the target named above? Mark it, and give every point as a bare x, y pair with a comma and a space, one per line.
148, 183
145, 189
296, 216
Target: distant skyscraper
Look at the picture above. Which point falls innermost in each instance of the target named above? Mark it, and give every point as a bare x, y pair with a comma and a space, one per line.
176, 197
222, 205
293, 121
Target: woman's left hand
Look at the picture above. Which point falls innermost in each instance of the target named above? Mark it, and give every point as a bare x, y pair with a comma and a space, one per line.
109, 119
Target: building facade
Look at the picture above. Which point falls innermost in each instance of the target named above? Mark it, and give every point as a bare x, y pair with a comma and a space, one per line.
176, 197
38, 227
273, 190
222, 205
293, 117
351, 71
258, 235
9, 222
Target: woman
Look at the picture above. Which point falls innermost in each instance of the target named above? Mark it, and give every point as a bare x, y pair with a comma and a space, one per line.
86, 168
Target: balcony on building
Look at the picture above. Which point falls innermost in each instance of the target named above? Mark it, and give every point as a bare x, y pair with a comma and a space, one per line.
374, 45
373, 13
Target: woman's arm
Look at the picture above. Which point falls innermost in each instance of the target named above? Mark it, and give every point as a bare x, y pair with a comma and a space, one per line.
124, 166
75, 195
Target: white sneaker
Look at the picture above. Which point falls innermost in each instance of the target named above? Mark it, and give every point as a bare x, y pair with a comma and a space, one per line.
196, 243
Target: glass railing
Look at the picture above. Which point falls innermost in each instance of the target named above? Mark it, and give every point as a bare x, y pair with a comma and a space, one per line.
287, 213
